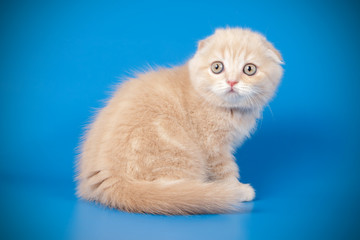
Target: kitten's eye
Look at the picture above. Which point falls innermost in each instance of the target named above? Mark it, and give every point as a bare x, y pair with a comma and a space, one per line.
217, 67
249, 69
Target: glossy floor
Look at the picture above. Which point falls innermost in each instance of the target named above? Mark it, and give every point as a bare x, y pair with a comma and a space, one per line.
299, 196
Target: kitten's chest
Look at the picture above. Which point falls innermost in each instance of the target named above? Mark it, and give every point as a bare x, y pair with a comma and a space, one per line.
218, 128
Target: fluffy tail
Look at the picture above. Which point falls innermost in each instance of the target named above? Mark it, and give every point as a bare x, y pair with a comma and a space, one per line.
168, 197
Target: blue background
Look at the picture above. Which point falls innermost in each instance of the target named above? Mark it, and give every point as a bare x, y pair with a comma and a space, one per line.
60, 59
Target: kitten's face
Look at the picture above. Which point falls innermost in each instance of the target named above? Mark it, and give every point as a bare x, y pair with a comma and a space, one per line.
236, 68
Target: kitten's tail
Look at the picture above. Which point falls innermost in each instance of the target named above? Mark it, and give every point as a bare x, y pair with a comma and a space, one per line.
169, 197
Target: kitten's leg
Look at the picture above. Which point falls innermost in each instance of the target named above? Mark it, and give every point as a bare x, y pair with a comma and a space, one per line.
223, 168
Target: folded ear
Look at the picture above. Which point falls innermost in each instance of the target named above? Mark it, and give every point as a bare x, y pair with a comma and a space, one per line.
204, 42
201, 44
272, 52
275, 55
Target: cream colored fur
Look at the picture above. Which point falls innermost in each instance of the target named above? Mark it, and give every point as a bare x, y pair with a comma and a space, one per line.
163, 143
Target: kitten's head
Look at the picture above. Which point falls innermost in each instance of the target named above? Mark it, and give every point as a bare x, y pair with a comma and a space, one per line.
236, 68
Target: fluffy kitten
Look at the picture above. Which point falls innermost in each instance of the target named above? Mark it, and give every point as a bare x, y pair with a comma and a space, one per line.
163, 144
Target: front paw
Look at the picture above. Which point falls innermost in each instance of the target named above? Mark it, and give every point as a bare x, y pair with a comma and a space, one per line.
247, 192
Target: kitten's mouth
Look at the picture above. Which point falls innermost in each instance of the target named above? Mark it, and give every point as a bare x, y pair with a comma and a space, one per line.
233, 95
232, 91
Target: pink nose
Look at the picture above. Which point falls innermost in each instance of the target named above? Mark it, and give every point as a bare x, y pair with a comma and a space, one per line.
232, 83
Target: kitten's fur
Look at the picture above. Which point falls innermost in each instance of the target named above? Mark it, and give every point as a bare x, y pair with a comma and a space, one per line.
163, 144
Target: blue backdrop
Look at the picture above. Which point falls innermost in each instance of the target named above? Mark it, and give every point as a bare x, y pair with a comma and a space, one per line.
59, 60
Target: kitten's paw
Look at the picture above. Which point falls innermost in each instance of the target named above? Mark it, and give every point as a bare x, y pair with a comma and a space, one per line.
247, 192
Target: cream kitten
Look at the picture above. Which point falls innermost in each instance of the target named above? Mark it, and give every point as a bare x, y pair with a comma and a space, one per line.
163, 144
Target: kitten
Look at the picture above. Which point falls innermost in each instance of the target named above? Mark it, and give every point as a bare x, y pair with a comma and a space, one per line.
163, 144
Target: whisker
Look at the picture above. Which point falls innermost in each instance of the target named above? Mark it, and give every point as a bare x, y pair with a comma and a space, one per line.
272, 115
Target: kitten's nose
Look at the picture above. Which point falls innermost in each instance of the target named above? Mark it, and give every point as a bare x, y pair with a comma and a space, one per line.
232, 83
